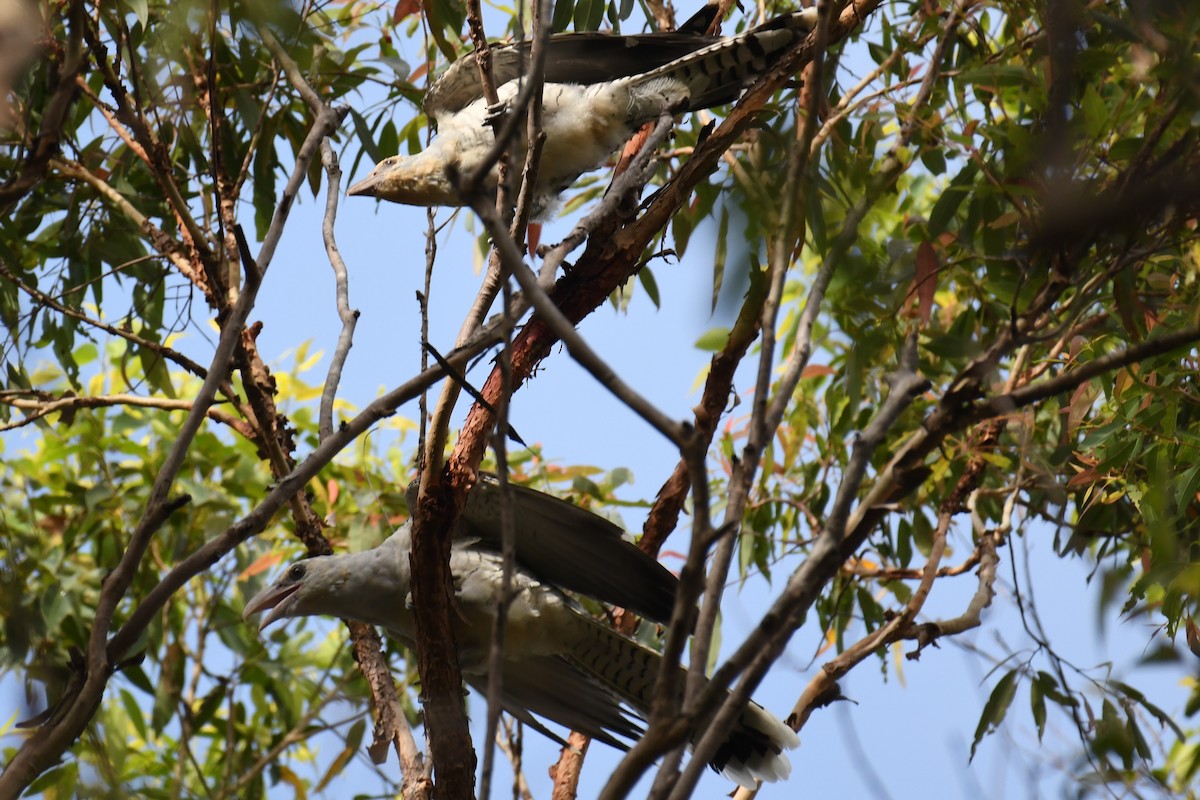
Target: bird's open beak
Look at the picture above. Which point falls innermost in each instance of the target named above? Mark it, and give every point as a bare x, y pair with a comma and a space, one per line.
273, 598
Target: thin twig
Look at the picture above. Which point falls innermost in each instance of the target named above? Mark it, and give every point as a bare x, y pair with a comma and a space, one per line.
157, 348
565, 331
348, 316
40, 407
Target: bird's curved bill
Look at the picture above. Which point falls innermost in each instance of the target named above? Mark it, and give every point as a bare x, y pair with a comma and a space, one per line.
274, 599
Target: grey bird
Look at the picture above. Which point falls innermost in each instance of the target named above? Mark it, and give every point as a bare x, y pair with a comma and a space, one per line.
598, 90
559, 662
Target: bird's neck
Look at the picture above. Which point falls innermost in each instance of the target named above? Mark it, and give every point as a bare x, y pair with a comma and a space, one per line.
380, 577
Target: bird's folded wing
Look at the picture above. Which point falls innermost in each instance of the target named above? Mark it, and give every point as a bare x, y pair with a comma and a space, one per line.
550, 687
569, 547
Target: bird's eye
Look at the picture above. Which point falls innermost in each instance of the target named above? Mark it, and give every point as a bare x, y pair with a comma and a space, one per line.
296, 572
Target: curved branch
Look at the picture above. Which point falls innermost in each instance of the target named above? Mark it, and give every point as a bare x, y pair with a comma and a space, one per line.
44, 406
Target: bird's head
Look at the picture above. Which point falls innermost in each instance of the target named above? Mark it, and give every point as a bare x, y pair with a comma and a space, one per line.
420, 180
306, 587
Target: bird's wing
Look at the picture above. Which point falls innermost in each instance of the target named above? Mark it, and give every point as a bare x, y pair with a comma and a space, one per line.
583, 58
551, 687
571, 548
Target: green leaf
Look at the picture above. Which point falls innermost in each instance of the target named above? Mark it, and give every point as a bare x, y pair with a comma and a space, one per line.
140, 9
364, 136
1154, 711
583, 14
995, 75
595, 14
712, 340
1095, 113
353, 740
951, 198
564, 12
934, 160
995, 708
1037, 704
646, 279
60, 780
720, 253
209, 705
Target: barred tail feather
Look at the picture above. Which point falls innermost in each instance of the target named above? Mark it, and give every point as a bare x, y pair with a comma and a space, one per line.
754, 748
717, 74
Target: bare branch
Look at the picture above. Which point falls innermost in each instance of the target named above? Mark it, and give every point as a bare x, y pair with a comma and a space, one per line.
161, 242
348, 315
154, 153
565, 331
43, 406
1034, 392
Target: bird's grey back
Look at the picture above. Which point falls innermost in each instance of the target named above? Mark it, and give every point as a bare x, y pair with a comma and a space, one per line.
569, 547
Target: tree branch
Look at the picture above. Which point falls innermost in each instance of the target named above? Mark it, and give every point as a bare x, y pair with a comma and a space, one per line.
348, 316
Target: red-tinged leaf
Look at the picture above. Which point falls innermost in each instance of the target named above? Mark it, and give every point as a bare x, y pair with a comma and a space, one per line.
419, 72
1005, 220
672, 554
261, 564
1193, 637
1085, 478
1121, 381
1081, 403
533, 236
816, 371
405, 9
926, 280
332, 488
